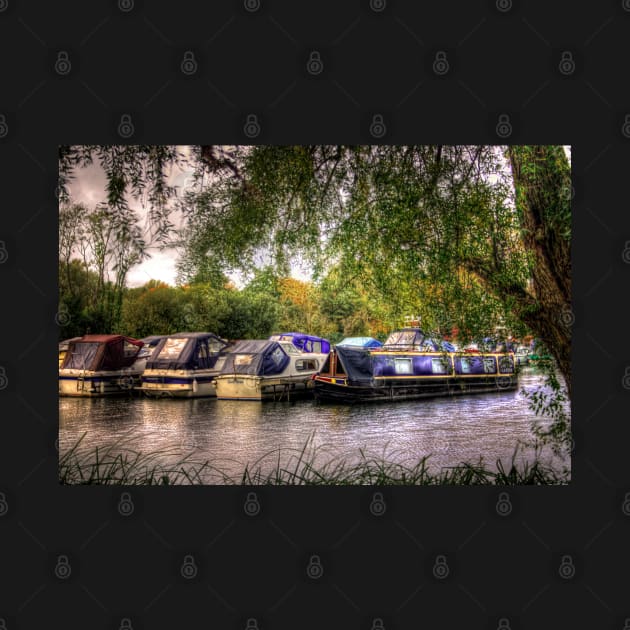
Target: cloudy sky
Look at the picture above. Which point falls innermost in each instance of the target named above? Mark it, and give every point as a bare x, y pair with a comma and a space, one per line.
88, 187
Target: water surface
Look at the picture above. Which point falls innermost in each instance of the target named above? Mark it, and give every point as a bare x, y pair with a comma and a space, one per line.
230, 434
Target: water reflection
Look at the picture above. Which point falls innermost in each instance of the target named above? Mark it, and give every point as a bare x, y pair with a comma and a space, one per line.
232, 433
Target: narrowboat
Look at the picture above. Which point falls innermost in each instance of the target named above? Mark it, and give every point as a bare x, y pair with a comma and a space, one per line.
304, 343
266, 369
100, 365
184, 365
362, 342
411, 365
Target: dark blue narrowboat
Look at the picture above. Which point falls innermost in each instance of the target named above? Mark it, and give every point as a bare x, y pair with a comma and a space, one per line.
411, 365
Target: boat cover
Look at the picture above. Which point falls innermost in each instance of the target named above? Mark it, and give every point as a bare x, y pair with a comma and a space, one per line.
365, 342
186, 351
357, 363
101, 352
258, 357
305, 343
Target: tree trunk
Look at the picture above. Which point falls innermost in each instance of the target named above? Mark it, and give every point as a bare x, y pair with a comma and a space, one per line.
542, 183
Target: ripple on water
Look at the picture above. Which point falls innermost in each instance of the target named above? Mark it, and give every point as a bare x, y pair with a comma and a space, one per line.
232, 433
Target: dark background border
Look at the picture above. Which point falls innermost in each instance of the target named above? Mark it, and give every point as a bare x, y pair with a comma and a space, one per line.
378, 59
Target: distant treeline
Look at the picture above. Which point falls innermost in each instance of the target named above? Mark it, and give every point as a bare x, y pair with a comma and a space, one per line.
332, 308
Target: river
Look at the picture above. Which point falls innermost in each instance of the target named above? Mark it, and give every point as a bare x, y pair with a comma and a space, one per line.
231, 434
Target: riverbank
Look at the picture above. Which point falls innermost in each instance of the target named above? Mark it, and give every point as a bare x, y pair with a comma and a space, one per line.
123, 466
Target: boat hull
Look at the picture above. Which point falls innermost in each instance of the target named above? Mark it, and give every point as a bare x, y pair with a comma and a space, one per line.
178, 383
249, 387
329, 389
86, 383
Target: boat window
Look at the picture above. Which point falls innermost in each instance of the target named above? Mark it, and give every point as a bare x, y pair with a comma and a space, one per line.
289, 348
82, 355
404, 339
403, 366
129, 349
172, 349
439, 366
202, 351
303, 365
466, 365
243, 359
278, 356
506, 365
489, 365
316, 346
214, 345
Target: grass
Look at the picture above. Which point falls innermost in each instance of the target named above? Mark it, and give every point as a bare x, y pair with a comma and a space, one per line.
116, 465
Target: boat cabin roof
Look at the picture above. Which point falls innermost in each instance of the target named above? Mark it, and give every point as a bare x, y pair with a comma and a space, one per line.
365, 342
256, 356
405, 339
101, 352
186, 351
304, 342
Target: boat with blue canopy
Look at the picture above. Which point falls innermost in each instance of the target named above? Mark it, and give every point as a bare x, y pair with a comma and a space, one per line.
411, 365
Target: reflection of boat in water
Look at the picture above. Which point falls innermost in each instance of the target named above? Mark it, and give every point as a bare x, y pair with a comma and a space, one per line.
100, 365
267, 370
411, 365
184, 365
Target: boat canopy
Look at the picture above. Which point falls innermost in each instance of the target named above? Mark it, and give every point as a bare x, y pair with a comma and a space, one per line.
63, 345
365, 342
149, 345
357, 363
416, 339
405, 339
306, 343
101, 352
186, 351
258, 357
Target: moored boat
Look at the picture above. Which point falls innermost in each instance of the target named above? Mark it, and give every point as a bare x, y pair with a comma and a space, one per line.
184, 365
100, 365
266, 369
411, 365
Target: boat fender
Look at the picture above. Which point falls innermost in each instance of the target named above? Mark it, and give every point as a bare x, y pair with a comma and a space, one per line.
195, 385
